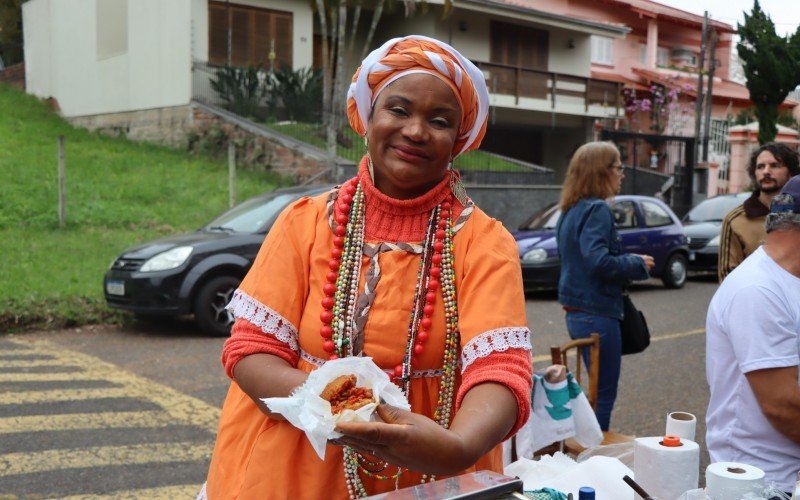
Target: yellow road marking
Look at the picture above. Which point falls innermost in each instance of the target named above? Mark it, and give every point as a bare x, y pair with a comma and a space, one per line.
75, 421
22, 363
57, 395
165, 493
102, 456
669, 336
182, 409
48, 377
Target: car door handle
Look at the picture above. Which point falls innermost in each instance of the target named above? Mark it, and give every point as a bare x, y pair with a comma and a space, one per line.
642, 239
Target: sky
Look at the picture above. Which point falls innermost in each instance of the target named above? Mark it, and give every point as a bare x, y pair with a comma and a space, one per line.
784, 13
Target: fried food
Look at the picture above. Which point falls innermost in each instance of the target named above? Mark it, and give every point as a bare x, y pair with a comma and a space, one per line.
343, 394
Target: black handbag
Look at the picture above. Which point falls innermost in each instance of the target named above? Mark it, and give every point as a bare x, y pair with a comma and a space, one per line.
635, 334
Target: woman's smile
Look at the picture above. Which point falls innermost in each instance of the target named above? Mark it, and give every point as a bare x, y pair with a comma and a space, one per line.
410, 154
411, 134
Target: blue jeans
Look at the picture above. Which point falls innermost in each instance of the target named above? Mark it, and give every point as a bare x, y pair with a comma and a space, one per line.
580, 325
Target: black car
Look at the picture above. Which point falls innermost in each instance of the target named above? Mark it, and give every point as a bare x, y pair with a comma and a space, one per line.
197, 273
703, 224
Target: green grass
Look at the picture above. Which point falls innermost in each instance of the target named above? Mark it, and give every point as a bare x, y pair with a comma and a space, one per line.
119, 193
314, 134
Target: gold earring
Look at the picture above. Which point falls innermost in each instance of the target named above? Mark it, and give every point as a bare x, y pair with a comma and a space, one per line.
457, 187
370, 167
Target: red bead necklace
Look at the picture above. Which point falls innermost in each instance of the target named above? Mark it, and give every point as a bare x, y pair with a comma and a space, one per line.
436, 275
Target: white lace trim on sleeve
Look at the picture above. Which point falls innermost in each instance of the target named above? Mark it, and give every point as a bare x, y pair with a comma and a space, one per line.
497, 340
246, 307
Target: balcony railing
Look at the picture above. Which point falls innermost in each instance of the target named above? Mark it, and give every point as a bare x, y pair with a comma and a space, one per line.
553, 87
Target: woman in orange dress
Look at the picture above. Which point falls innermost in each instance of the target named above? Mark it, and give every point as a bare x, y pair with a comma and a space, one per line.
397, 264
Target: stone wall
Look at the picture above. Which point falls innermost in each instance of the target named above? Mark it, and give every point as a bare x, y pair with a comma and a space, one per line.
264, 148
14, 76
167, 126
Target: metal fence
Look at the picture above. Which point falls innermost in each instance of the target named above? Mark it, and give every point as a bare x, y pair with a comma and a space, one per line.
202, 74
720, 152
479, 167
670, 156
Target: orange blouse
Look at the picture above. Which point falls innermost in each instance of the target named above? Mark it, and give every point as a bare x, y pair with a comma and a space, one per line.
278, 311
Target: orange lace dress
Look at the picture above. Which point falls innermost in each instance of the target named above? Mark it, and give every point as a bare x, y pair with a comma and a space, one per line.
278, 312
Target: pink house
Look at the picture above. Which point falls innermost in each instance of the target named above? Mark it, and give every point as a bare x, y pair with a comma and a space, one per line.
555, 69
662, 49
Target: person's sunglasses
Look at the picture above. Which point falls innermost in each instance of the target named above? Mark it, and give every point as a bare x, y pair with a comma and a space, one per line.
620, 169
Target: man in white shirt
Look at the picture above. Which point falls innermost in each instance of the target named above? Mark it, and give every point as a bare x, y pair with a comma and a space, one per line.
753, 352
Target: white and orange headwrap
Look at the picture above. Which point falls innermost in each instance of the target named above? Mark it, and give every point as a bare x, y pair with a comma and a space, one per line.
419, 54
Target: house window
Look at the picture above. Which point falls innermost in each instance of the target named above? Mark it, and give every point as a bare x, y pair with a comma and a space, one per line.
683, 57
254, 34
602, 50
518, 46
662, 57
112, 28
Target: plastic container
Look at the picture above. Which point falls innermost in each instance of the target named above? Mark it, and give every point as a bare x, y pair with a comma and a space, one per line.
586, 493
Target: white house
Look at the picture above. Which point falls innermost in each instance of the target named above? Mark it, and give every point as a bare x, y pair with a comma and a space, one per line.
135, 65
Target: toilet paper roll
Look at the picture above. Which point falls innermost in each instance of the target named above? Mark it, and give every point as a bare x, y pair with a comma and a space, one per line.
681, 424
666, 472
726, 480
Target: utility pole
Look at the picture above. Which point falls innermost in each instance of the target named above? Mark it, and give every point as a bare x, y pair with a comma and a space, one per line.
698, 105
230, 32
712, 67
62, 183
231, 173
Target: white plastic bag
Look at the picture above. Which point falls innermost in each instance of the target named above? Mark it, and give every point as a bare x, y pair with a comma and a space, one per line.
559, 411
621, 451
307, 411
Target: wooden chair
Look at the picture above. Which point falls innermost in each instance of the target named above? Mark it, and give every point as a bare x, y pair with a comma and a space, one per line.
569, 355
560, 355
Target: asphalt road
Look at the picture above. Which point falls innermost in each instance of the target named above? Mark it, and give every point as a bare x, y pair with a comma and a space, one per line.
107, 412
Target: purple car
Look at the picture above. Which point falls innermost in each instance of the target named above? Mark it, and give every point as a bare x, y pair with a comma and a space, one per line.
647, 226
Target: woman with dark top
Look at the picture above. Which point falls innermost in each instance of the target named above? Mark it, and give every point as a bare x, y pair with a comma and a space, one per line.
593, 268
397, 264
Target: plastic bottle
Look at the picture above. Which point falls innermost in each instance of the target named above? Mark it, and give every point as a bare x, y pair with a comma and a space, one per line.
586, 493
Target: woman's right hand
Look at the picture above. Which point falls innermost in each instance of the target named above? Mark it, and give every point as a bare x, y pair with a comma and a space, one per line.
406, 439
649, 262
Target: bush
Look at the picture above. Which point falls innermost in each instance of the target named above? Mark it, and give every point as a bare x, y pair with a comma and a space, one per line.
297, 95
241, 89
282, 95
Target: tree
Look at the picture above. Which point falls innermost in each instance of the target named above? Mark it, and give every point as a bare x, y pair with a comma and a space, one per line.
335, 17
770, 64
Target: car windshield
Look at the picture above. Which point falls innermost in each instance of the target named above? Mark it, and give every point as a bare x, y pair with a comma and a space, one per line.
712, 209
545, 218
250, 216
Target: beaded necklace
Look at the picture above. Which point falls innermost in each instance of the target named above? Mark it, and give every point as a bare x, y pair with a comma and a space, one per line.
338, 306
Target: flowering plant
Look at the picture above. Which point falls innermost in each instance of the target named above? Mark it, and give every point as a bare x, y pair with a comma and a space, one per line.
662, 105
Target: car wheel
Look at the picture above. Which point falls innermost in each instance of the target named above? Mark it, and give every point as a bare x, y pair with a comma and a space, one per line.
675, 271
209, 306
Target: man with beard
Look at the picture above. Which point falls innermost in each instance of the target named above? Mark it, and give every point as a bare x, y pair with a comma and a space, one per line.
771, 166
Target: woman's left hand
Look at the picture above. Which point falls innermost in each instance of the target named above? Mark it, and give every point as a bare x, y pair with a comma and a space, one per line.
409, 440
